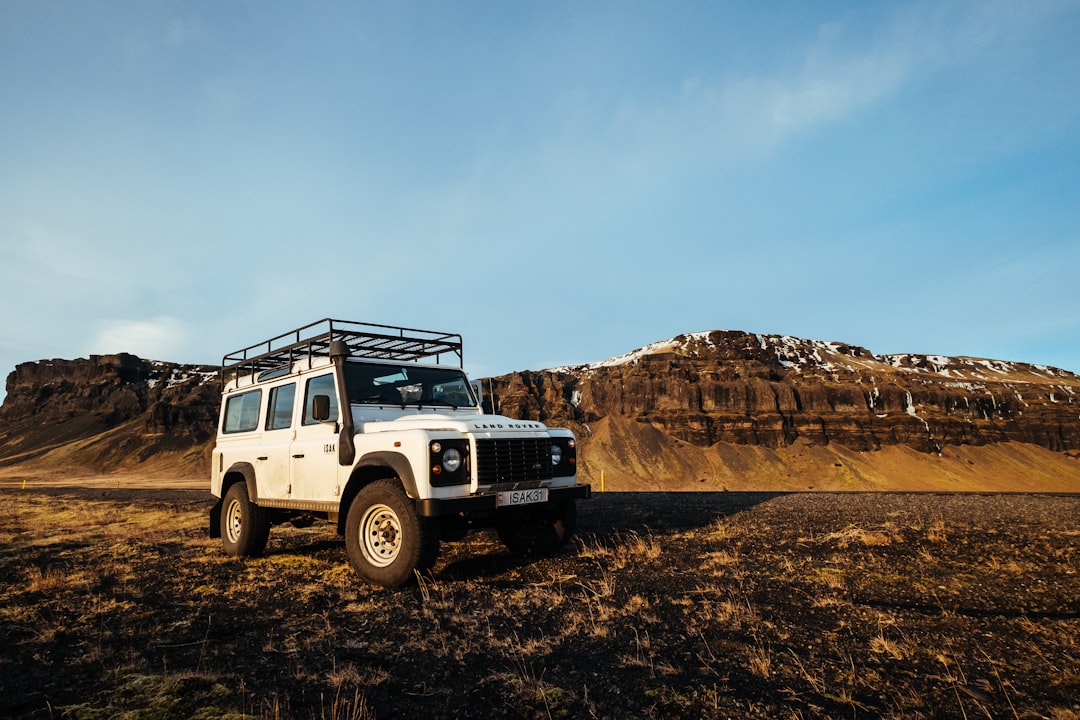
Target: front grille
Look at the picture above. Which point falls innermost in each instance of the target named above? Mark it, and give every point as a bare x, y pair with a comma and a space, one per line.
513, 460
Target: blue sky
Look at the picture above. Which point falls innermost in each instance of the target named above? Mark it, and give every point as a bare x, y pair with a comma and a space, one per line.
560, 182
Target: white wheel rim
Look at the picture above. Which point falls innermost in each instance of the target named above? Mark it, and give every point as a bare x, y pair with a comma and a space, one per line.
380, 533
234, 521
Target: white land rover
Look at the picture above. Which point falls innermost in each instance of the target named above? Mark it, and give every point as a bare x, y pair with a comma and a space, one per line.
412, 459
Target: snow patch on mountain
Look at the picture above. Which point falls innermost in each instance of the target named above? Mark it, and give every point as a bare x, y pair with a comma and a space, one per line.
834, 358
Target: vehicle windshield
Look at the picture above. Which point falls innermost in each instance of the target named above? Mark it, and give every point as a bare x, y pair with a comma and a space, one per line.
378, 384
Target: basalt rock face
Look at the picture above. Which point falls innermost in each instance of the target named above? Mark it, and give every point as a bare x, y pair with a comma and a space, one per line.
706, 389
119, 408
768, 390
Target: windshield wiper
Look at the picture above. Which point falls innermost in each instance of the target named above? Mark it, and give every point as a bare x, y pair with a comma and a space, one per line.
378, 400
437, 401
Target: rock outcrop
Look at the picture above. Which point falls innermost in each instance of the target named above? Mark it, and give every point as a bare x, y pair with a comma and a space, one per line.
678, 409
111, 410
769, 390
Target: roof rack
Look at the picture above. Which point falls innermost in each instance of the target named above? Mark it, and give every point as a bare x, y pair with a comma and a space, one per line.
366, 340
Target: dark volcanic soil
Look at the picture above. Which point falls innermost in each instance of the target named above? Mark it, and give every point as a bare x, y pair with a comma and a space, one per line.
734, 605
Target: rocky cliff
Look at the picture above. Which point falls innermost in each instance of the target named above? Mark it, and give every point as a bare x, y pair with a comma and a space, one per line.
108, 411
722, 407
769, 390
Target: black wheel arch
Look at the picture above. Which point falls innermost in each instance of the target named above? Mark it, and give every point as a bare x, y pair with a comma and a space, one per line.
383, 465
241, 471
238, 472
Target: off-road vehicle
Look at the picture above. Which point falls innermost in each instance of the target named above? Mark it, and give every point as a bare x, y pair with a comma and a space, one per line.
365, 426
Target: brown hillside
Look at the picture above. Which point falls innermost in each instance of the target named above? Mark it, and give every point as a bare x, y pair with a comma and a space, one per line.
770, 390
707, 411
622, 455
108, 413
746, 411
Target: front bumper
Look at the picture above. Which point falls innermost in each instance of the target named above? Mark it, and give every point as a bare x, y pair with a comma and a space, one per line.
486, 503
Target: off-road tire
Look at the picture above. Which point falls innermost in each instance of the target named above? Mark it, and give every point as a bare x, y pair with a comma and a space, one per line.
385, 538
539, 532
245, 527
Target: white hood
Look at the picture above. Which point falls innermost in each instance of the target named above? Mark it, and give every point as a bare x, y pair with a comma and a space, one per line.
471, 424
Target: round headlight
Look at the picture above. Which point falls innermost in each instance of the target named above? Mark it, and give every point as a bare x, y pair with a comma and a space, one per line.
556, 454
451, 460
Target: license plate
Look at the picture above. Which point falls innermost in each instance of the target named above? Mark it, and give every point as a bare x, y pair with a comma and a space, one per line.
511, 498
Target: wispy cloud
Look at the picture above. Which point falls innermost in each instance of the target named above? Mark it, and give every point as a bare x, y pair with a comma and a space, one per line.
827, 89
158, 338
180, 32
845, 70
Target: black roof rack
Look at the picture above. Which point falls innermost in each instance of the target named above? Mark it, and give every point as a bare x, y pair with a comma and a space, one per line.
366, 340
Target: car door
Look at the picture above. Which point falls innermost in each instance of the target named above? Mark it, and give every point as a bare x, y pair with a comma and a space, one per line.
314, 452
273, 462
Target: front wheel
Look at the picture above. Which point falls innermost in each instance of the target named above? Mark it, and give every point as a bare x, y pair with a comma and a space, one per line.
245, 527
385, 538
542, 532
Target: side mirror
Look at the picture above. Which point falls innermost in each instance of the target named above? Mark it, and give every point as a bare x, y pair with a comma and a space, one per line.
478, 390
320, 408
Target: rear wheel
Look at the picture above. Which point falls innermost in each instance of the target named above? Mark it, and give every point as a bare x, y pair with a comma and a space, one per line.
245, 527
539, 532
385, 538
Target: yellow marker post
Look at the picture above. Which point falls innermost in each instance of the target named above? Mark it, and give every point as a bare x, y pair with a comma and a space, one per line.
601, 481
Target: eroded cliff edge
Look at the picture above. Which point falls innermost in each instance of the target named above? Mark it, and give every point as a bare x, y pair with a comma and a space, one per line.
702, 411
769, 390
109, 411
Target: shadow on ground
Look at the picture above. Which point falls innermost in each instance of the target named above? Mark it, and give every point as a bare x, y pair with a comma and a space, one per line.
620, 512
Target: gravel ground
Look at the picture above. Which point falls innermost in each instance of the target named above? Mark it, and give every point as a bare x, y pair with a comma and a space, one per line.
115, 603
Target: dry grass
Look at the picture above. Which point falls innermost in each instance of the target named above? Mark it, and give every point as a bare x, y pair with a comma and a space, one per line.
785, 606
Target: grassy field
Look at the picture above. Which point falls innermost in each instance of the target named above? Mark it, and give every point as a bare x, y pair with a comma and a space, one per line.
114, 603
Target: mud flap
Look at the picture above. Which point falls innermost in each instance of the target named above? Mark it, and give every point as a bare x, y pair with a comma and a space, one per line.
215, 519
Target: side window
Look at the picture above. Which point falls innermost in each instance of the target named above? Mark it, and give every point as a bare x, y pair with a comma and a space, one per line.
322, 385
242, 412
279, 415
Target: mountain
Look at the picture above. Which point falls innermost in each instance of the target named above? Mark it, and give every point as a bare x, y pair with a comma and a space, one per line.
731, 407
107, 413
713, 410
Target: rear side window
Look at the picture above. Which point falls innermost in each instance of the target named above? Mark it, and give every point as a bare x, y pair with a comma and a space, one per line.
242, 412
279, 415
322, 385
